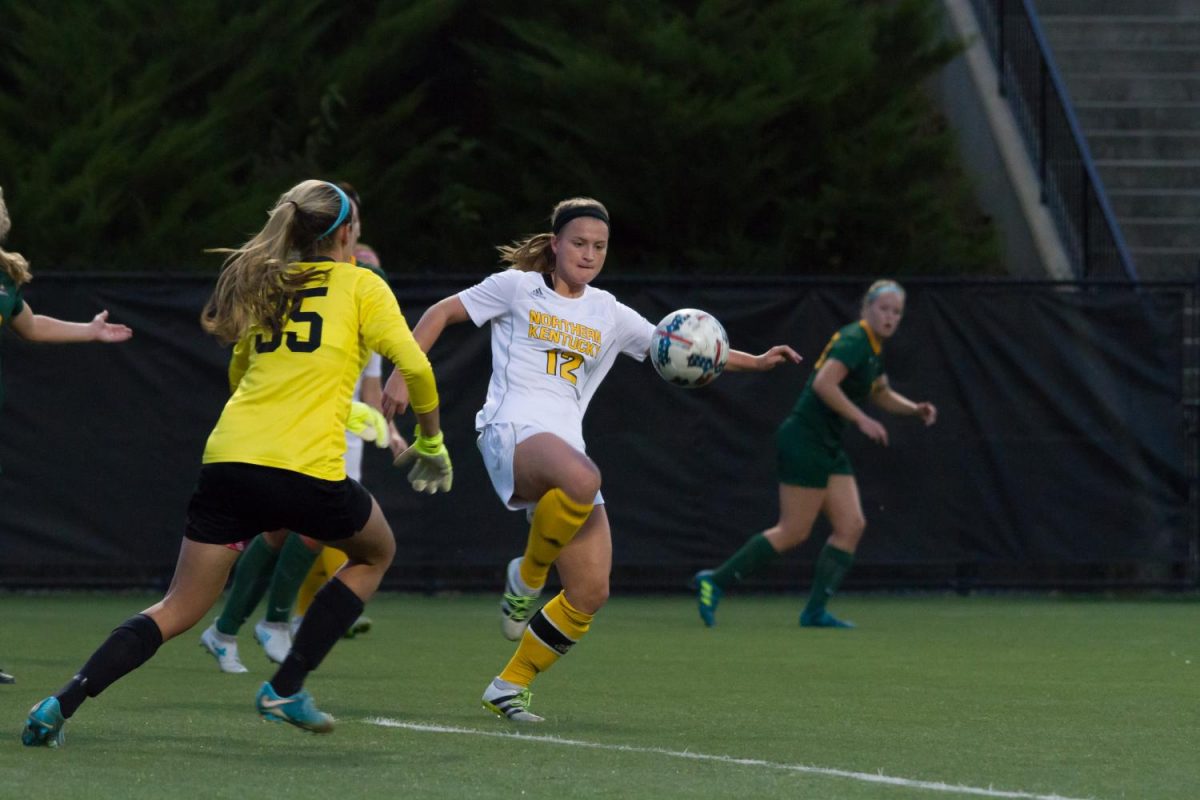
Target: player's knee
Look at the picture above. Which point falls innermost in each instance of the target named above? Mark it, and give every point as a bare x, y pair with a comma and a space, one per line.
581, 482
787, 534
589, 597
851, 531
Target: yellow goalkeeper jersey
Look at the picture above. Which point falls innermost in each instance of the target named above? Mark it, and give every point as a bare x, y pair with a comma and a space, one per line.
291, 392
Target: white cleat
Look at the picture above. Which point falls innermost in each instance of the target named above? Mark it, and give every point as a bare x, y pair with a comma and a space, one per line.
275, 638
517, 606
223, 648
509, 700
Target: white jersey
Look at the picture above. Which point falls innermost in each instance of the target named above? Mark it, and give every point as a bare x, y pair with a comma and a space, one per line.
549, 352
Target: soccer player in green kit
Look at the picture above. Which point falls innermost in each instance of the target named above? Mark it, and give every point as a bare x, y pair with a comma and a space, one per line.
815, 475
17, 315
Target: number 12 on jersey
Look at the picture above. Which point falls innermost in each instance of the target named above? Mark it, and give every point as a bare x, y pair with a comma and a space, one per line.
563, 363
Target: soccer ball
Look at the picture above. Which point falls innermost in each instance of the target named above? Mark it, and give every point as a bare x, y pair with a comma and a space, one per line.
689, 348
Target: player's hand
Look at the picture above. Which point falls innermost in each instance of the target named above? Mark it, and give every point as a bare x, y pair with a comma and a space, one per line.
395, 395
873, 430
367, 424
927, 412
776, 356
107, 332
431, 469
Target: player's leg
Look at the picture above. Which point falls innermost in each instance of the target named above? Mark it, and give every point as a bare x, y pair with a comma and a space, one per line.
328, 562
333, 611
200, 576
564, 481
843, 508
798, 509
251, 577
583, 567
274, 632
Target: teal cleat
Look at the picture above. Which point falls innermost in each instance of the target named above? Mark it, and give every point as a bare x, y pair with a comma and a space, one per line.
823, 620
708, 594
44, 726
298, 710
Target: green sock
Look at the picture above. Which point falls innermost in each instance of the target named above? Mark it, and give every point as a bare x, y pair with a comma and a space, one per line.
295, 560
832, 566
250, 579
756, 553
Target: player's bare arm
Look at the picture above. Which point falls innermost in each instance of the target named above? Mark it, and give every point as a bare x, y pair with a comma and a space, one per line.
740, 361
445, 312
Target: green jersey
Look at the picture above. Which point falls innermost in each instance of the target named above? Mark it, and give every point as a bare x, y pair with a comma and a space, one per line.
862, 354
11, 304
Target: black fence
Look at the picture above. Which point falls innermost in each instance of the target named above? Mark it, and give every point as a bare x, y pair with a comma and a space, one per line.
1071, 186
1063, 456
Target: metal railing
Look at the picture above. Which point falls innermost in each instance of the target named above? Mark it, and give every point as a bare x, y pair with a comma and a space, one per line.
1070, 183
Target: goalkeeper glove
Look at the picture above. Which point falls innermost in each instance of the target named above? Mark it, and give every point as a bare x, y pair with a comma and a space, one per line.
368, 424
431, 472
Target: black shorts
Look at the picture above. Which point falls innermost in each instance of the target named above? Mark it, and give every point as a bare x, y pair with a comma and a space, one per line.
235, 501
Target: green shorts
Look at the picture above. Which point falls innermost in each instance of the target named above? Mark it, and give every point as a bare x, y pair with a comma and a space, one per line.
806, 460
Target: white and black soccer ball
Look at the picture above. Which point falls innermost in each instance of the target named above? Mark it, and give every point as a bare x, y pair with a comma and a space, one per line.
689, 348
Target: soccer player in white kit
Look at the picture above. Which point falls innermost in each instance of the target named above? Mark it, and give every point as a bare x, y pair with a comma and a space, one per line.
554, 338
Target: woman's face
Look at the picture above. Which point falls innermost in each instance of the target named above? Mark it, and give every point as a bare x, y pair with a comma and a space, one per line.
579, 251
884, 313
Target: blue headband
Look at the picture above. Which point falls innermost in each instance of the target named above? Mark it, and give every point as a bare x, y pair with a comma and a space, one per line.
341, 217
882, 290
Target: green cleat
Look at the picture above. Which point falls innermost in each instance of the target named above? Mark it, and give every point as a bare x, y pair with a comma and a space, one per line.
44, 726
361, 625
708, 594
823, 620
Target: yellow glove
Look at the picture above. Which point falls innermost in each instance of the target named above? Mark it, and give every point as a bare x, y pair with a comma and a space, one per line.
368, 424
431, 472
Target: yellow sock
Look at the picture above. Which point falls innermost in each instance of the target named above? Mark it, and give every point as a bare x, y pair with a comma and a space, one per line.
551, 633
556, 520
329, 561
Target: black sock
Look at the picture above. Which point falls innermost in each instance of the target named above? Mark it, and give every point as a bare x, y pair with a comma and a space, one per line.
331, 614
130, 645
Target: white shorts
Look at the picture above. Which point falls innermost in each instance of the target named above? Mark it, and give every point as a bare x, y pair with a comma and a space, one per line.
497, 442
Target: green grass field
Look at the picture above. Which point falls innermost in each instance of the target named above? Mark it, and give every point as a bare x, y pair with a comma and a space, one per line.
931, 697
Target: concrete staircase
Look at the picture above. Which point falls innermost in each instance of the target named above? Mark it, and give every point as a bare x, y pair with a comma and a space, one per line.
1132, 69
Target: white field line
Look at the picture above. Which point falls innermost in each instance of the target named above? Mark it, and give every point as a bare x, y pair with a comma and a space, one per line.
864, 777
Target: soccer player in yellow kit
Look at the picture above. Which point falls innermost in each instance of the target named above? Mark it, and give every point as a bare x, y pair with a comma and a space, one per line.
303, 318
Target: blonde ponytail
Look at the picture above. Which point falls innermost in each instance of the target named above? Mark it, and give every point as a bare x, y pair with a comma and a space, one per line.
257, 285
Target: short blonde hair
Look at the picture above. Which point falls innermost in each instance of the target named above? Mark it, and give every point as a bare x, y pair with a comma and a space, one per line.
880, 288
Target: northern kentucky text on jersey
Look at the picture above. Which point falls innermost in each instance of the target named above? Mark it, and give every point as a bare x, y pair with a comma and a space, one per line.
564, 333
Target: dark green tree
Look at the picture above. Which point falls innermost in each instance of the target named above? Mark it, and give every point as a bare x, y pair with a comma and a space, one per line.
780, 136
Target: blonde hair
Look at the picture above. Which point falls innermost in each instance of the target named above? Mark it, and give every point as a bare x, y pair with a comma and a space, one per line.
533, 253
256, 285
14, 264
878, 288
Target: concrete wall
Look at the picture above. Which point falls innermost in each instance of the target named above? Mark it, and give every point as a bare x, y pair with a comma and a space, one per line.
995, 156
